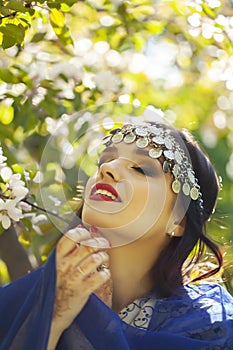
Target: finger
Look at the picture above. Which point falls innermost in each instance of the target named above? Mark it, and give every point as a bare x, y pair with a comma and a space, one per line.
66, 265
89, 265
89, 282
97, 279
87, 248
92, 263
96, 242
69, 241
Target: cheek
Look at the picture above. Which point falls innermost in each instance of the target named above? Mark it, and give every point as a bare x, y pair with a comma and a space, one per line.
91, 181
148, 202
152, 192
161, 206
89, 184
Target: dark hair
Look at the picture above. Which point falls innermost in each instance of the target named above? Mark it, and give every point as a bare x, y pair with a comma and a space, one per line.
168, 267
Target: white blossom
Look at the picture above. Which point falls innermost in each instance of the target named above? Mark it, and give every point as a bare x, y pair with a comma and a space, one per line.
106, 81
17, 186
38, 178
6, 173
10, 198
56, 127
19, 192
36, 221
24, 206
8, 212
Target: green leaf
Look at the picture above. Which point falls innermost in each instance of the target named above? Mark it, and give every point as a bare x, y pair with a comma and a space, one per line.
38, 37
24, 22
208, 11
6, 114
53, 5
57, 18
16, 6
70, 2
31, 11
155, 27
139, 41
12, 34
4, 11
4, 274
7, 76
27, 223
17, 169
8, 41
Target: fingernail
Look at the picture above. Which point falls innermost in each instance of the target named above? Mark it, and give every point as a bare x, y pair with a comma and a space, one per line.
80, 226
98, 242
73, 234
93, 229
94, 232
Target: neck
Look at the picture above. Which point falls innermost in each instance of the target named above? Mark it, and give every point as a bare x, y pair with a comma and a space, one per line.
130, 267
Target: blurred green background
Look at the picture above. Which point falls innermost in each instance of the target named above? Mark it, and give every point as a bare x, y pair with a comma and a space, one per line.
62, 57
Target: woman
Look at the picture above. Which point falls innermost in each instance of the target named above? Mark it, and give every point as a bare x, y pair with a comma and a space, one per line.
119, 279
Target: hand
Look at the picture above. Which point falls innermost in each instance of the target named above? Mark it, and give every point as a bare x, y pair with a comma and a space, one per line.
105, 293
81, 265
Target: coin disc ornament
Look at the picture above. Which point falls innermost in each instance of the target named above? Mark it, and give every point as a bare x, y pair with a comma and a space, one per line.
162, 145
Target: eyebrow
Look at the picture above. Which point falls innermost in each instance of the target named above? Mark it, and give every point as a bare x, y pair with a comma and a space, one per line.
110, 149
143, 152
139, 151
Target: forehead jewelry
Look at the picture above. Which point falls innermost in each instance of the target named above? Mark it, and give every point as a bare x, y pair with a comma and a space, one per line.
164, 146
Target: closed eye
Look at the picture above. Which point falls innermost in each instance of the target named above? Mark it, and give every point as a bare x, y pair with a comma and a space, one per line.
138, 169
147, 169
144, 171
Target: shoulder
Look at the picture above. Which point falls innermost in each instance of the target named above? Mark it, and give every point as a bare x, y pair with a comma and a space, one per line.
208, 291
211, 298
199, 296
202, 311
199, 304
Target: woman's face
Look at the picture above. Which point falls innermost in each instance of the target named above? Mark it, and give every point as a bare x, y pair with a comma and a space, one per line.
130, 196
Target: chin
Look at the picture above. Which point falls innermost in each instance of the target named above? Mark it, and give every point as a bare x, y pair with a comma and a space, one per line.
91, 219
96, 223
97, 220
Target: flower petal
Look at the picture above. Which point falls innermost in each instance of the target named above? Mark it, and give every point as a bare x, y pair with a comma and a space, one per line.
19, 192
6, 222
6, 173
2, 204
15, 214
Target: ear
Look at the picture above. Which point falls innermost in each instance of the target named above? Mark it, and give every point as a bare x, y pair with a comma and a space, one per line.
179, 228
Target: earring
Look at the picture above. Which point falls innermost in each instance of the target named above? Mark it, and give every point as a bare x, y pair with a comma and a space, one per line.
171, 234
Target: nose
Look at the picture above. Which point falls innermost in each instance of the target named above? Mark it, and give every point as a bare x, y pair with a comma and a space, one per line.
110, 171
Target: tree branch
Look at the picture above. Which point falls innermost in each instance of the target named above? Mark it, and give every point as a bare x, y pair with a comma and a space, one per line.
13, 14
44, 210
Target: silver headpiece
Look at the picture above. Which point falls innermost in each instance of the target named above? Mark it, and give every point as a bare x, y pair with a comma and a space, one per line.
163, 145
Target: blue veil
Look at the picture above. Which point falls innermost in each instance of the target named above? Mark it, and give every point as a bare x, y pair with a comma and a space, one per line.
26, 309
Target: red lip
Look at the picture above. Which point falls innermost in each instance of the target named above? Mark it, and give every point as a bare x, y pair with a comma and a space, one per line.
103, 197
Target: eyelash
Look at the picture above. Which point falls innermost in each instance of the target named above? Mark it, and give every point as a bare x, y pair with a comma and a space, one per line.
142, 171
137, 168
145, 171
